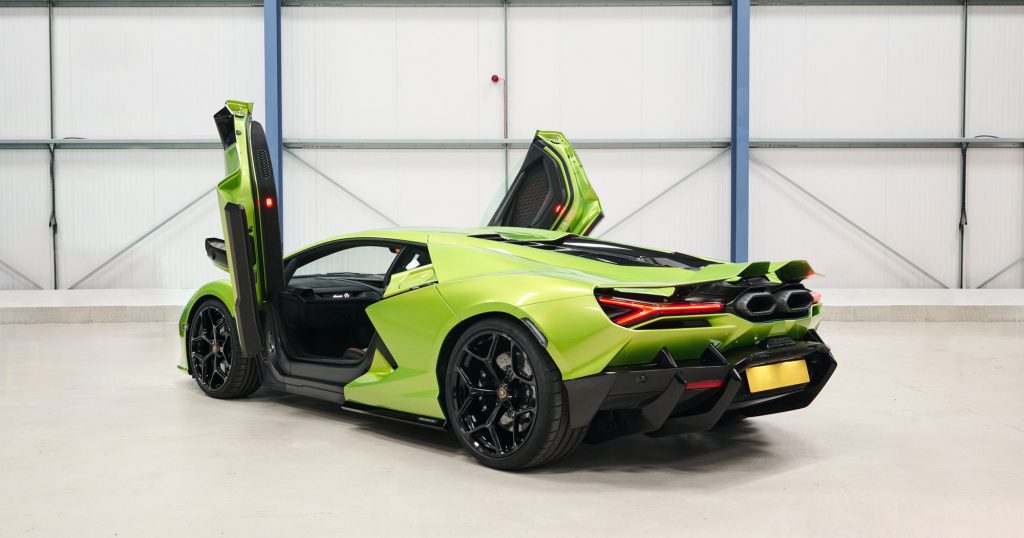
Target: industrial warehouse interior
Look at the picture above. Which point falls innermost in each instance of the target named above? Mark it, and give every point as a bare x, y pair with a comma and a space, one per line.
258, 261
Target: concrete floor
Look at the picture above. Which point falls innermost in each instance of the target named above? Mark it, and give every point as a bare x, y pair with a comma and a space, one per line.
920, 433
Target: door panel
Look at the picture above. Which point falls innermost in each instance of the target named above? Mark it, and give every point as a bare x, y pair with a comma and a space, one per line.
240, 261
551, 190
249, 215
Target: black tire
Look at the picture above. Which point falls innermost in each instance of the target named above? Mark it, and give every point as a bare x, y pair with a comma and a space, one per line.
213, 356
505, 398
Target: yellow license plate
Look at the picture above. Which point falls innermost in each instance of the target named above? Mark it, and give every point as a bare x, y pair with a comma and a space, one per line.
778, 375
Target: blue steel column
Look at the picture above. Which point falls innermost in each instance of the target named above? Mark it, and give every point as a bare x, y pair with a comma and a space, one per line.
272, 80
740, 143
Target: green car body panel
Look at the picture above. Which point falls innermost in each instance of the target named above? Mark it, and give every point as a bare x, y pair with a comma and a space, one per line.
471, 276
555, 291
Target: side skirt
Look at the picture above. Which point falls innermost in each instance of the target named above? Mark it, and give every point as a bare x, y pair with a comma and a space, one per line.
398, 416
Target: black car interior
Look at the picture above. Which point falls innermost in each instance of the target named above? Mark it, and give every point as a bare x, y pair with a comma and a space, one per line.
324, 313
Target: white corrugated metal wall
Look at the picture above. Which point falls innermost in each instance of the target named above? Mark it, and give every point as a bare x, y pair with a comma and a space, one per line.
887, 72
119, 73
592, 72
995, 107
25, 250
858, 72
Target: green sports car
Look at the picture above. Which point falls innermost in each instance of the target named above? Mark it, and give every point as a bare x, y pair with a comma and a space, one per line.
525, 337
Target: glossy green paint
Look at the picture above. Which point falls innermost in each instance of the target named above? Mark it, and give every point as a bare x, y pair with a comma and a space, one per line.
584, 209
410, 280
237, 187
412, 325
424, 309
478, 277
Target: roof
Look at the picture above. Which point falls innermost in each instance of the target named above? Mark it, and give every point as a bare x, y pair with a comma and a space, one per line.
420, 235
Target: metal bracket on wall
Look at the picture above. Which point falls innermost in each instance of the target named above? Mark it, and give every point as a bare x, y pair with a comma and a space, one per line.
10, 269
668, 189
1000, 272
141, 238
847, 220
340, 186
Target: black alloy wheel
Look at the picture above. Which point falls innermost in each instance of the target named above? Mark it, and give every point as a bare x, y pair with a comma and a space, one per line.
210, 348
495, 393
213, 357
505, 398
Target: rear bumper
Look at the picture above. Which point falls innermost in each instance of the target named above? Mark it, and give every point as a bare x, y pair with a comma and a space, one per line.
665, 398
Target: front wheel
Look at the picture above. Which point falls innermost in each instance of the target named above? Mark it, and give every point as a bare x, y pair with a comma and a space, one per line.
214, 359
505, 398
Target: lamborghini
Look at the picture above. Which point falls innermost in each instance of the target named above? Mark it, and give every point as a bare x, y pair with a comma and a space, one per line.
525, 337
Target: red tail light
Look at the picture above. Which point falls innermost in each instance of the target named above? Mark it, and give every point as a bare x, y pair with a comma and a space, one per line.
713, 384
815, 297
636, 311
269, 202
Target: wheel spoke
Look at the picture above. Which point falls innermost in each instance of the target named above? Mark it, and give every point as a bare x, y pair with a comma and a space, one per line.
517, 369
494, 438
494, 346
474, 354
489, 364
464, 407
210, 348
494, 393
510, 374
217, 373
208, 325
515, 430
521, 412
494, 415
198, 362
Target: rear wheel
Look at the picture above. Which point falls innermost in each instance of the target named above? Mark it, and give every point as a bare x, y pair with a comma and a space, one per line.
214, 360
505, 398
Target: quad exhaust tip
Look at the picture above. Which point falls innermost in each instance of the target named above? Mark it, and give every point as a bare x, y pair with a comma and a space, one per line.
759, 303
762, 303
794, 300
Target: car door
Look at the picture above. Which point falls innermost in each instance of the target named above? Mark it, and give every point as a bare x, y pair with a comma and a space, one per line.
551, 190
247, 197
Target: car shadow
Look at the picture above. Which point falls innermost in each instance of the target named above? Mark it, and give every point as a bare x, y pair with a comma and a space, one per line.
731, 453
732, 444
392, 430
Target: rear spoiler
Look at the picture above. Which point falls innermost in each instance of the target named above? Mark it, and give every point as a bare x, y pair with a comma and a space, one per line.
792, 271
787, 272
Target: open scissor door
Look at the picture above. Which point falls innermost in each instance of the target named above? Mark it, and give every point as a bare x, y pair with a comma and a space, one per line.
247, 197
551, 190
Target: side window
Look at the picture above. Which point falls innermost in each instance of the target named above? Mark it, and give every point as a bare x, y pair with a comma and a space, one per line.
412, 258
362, 260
